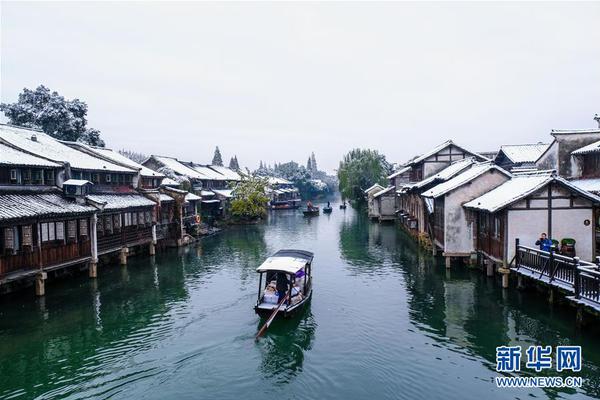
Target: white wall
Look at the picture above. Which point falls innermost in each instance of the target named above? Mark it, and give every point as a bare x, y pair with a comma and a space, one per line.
528, 224
458, 235
387, 205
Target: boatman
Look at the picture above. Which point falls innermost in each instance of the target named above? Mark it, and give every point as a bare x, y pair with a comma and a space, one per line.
282, 285
309, 205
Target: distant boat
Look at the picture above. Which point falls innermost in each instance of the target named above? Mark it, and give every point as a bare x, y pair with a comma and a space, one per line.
311, 213
327, 210
342, 206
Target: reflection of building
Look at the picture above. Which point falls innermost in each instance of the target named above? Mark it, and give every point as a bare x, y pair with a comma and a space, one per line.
459, 297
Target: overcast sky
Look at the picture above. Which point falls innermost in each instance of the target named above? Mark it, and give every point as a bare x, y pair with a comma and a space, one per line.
274, 82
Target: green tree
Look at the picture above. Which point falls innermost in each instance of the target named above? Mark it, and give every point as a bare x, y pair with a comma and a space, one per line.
53, 114
360, 169
217, 159
250, 199
233, 164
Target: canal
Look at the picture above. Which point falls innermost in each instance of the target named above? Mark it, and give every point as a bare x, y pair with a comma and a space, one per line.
386, 322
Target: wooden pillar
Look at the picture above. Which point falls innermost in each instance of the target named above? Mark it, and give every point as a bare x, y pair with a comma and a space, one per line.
123, 256
490, 268
505, 275
93, 269
551, 295
40, 285
152, 249
448, 262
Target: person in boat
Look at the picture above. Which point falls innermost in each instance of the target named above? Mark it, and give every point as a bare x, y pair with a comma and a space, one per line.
544, 243
282, 285
309, 205
328, 205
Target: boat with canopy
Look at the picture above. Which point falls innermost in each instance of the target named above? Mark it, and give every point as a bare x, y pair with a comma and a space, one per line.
285, 283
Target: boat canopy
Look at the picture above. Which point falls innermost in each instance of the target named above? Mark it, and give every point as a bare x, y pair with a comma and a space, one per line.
289, 261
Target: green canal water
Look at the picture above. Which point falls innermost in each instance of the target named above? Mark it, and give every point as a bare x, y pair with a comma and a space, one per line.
386, 321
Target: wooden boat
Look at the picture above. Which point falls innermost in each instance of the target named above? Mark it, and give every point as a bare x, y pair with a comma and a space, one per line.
311, 213
296, 265
327, 210
342, 206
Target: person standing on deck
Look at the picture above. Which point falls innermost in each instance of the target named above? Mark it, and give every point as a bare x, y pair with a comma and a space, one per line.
328, 205
282, 285
544, 243
309, 205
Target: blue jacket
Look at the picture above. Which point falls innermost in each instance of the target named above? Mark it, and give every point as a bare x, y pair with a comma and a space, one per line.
545, 244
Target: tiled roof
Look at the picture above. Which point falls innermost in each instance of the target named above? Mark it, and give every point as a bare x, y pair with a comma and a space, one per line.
30, 205
121, 201
11, 156
119, 158
228, 173
44, 145
178, 167
524, 153
447, 173
463, 178
519, 187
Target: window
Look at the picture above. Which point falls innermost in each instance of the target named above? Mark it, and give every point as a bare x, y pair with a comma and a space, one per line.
83, 230
51, 231
44, 227
9, 239
95, 178
148, 218
134, 218
37, 177
100, 225
109, 224
13, 176
27, 176
117, 221
72, 229
49, 177
60, 231
27, 236
141, 220
108, 178
496, 227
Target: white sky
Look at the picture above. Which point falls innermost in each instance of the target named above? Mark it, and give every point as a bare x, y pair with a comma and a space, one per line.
277, 81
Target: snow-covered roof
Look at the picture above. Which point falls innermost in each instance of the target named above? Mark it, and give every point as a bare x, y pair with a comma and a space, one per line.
20, 205
169, 182
519, 187
178, 167
273, 180
121, 201
119, 158
591, 185
206, 193
439, 148
192, 197
208, 173
590, 148
77, 182
399, 172
384, 191
11, 156
447, 173
463, 178
375, 186
165, 198
229, 174
524, 153
228, 193
44, 145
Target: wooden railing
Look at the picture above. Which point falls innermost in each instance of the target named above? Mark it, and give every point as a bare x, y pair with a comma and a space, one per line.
581, 277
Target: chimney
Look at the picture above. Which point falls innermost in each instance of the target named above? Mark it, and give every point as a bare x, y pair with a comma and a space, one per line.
597, 119
34, 136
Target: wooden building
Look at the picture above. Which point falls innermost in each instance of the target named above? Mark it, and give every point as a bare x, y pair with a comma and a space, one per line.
527, 205
452, 231
384, 202
283, 195
409, 204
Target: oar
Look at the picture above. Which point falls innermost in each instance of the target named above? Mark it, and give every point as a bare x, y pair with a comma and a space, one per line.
271, 318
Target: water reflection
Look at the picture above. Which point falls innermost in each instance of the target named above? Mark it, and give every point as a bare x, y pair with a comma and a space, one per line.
284, 345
